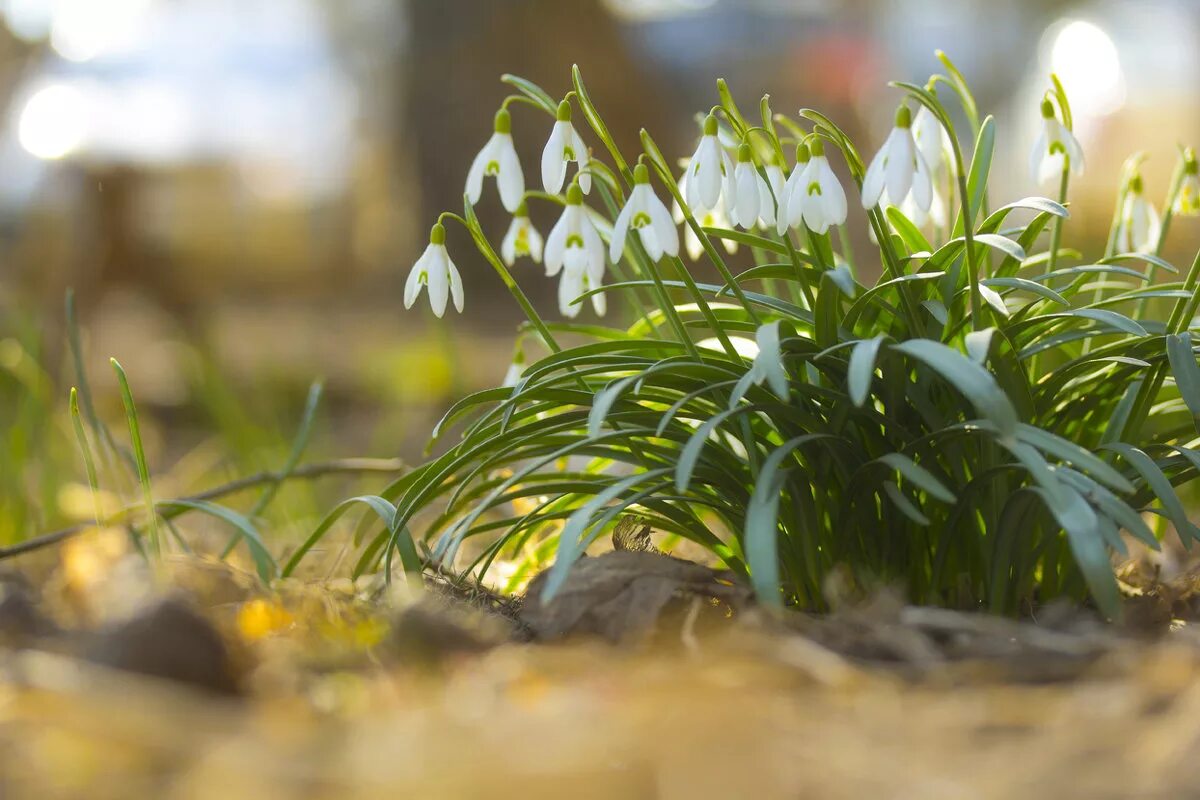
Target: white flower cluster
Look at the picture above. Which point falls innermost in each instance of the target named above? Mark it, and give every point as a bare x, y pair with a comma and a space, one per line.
728, 183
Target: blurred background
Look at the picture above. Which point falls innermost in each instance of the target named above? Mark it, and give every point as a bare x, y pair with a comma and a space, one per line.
236, 189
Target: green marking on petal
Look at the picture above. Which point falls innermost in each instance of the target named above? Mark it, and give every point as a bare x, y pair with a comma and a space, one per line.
1058, 148
640, 220
568, 154
492, 168
814, 188
575, 240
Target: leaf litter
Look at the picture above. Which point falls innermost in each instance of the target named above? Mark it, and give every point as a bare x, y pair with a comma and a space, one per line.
646, 676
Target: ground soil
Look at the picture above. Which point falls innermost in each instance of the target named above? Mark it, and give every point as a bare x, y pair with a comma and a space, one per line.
646, 677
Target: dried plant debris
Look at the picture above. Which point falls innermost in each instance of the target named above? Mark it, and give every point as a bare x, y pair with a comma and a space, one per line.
621, 595
169, 640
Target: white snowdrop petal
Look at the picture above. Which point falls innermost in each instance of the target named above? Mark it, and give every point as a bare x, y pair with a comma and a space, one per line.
664, 226
620, 230
873, 181
901, 165
554, 168
456, 286
922, 184
511, 179
556, 244
438, 281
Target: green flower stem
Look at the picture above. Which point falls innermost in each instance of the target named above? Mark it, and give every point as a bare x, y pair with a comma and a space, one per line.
668, 180
1181, 316
1056, 232
1167, 216
891, 266
977, 321
847, 251
485, 249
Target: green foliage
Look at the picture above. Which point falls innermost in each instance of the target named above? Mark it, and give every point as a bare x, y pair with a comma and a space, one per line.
952, 427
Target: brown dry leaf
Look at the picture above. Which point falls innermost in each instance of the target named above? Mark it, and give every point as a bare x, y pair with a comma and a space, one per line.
621, 595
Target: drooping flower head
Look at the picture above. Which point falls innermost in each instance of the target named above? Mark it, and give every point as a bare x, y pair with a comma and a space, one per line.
564, 145
706, 218
791, 201
1140, 225
933, 141
1187, 201
1056, 149
709, 170
522, 239
435, 270
749, 188
823, 201
770, 193
647, 215
574, 248
498, 159
899, 168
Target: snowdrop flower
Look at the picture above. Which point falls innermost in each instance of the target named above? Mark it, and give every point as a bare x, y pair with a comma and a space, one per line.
1187, 201
574, 247
515, 369
647, 215
709, 169
498, 159
748, 187
770, 193
435, 270
565, 144
791, 199
1055, 150
899, 168
823, 202
1139, 226
933, 142
522, 239
707, 218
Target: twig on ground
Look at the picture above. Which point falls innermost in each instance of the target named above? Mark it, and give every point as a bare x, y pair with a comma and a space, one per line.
346, 466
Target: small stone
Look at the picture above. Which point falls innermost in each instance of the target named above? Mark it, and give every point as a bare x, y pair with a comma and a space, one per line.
170, 640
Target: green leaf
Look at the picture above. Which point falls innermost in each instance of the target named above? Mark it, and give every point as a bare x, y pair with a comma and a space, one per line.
532, 91
768, 364
1072, 453
1027, 285
264, 563
918, 476
1187, 373
975, 383
139, 455
1158, 483
1002, 243
695, 445
862, 368
906, 506
977, 174
909, 233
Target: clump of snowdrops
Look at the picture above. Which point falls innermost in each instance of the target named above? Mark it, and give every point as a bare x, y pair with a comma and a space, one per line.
987, 424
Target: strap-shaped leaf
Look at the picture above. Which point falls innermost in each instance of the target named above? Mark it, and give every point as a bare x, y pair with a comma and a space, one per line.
862, 368
264, 563
1187, 373
906, 506
976, 383
918, 476
1160, 485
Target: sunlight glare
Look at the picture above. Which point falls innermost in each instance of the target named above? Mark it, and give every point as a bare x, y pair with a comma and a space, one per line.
1085, 59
